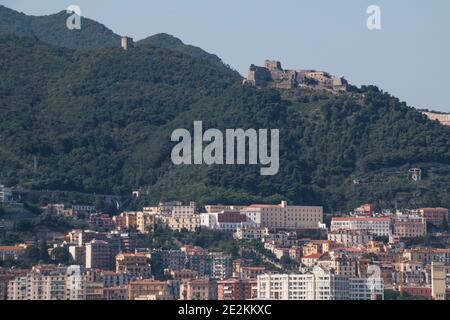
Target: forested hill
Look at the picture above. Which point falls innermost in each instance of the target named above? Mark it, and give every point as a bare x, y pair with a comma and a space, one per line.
166, 41
100, 121
53, 29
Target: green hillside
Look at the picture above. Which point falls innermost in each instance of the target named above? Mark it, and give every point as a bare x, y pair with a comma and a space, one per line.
100, 121
166, 41
52, 29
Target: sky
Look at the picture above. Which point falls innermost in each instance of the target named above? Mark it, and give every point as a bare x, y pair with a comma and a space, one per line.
408, 57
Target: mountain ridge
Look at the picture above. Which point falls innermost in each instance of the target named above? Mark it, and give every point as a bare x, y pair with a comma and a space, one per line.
100, 121
52, 29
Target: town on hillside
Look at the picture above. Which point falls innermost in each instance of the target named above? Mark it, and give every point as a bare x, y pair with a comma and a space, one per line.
183, 251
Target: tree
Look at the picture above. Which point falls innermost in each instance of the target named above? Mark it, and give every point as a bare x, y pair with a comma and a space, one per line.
24, 226
43, 252
61, 255
32, 255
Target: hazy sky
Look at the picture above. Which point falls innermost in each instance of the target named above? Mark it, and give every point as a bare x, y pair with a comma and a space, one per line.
409, 56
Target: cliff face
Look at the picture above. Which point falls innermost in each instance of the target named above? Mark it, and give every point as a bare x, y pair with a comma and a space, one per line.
272, 75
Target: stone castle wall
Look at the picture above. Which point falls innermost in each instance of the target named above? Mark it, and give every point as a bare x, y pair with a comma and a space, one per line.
274, 76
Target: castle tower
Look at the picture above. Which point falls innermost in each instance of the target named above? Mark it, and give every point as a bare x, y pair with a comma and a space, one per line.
126, 43
273, 65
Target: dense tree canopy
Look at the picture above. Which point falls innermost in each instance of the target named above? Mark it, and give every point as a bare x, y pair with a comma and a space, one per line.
100, 121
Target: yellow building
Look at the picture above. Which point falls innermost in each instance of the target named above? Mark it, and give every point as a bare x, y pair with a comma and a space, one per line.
145, 222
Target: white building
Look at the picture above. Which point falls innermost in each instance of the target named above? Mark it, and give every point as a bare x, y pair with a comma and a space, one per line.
228, 221
380, 227
76, 283
56, 284
320, 284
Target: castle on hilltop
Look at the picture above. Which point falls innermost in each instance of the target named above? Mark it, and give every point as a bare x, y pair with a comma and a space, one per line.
272, 75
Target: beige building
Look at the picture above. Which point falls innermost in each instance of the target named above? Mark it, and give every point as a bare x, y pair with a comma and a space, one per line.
251, 233
176, 208
129, 220
315, 247
439, 273
138, 265
198, 289
44, 283
149, 290
178, 223
435, 216
182, 275
95, 290
283, 216
145, 222
409, 226
350, 238
220, 208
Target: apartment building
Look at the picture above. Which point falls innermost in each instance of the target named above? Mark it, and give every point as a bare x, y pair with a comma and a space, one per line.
247, 272
439, 272
99, 255
350, 238
145, 222
11, 252
170, 259
177, 208
316, 246
380, 227
215, 265
181, 275
221, 208
150, 289
409, 226
76, 281
236, 289
116, 293
137, 265
320, 284
99, 220
198, 289
189, 223
287, 217
435, 216
41, 283
251, 233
